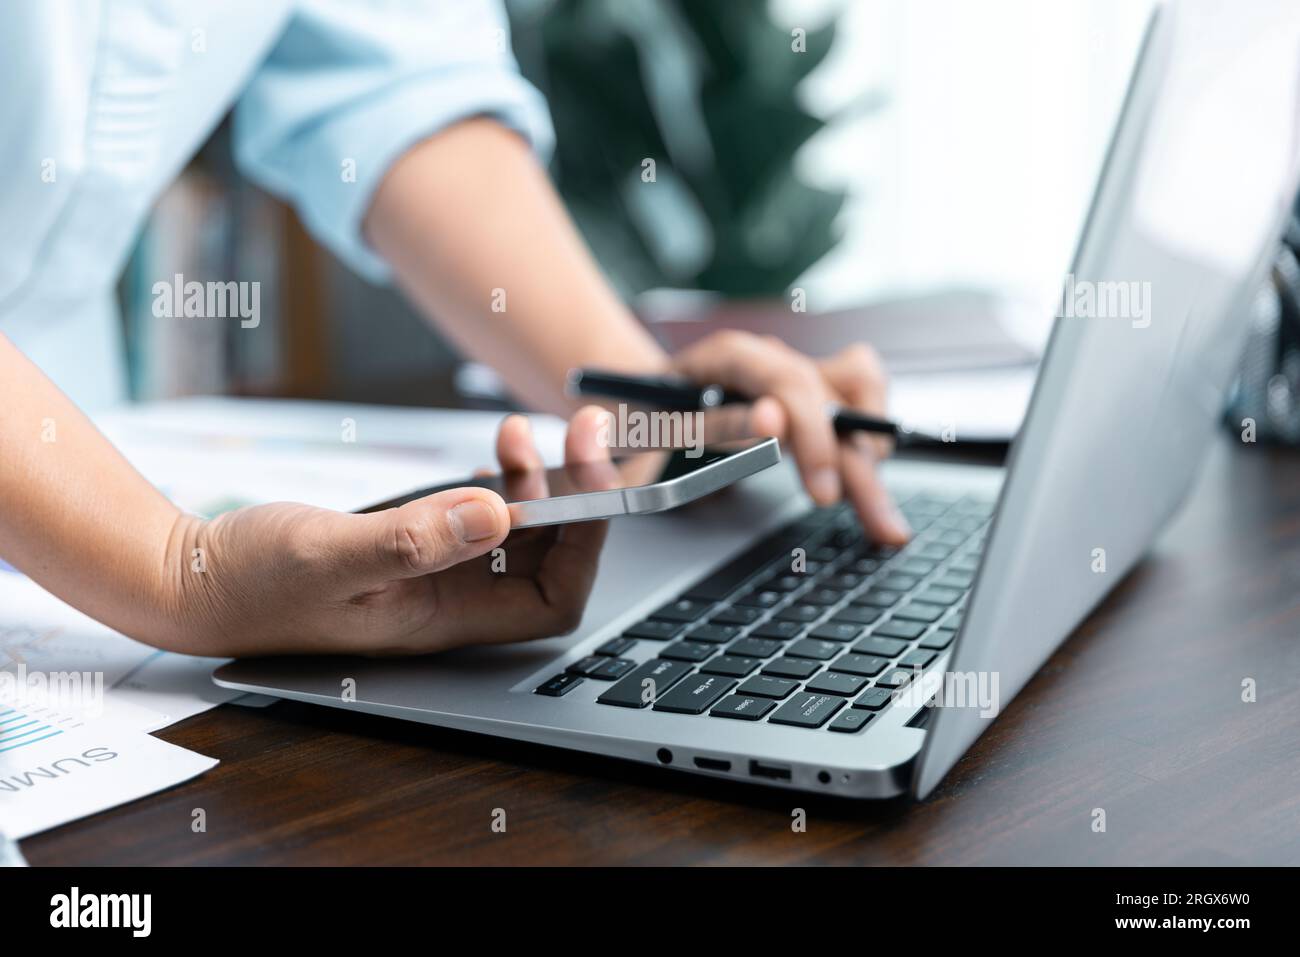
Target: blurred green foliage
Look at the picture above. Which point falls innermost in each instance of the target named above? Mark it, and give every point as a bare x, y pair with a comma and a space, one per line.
707, 90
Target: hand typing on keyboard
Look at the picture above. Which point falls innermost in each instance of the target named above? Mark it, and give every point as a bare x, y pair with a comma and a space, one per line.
795, 392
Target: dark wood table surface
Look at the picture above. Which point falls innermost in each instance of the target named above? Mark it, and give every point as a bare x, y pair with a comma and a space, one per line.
1139, 713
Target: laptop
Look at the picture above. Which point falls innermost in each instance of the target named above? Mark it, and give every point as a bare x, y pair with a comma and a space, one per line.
788, 651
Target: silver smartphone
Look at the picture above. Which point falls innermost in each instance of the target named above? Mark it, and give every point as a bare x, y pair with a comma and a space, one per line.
634, 484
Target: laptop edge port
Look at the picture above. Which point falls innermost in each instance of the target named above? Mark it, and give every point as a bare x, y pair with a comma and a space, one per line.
777, 772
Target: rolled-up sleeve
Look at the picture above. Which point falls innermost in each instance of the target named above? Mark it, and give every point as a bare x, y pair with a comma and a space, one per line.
350, 86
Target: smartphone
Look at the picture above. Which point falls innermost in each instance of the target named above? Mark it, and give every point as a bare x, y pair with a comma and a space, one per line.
635, 484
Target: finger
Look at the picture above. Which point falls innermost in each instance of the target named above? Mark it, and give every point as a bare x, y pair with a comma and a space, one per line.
419, 538
587, 450
880, 518
516, 451
589, 436
522, 468
549, 602
767, 418
858, 375
767, 367
586, 453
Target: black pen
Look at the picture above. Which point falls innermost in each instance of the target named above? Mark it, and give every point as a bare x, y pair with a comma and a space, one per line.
666, 392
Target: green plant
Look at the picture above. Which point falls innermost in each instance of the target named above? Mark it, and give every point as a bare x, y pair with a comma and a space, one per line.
706, 89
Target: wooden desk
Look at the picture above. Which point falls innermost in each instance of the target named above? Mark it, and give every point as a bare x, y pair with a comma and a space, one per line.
1139, 713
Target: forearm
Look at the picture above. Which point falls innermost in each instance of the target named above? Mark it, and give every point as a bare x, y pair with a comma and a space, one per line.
74, 515
482, 244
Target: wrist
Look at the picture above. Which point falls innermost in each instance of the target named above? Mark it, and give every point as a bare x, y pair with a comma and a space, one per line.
182, 603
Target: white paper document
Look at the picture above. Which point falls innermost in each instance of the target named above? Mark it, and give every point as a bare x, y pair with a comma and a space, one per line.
141, 686
982, 405
57, 767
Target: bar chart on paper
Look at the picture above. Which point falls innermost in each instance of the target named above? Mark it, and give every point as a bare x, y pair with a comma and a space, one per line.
20, 728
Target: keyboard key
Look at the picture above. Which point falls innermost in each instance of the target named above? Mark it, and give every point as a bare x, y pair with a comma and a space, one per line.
734, 666
791, 668
873, 699
857, 615
683, 609
832, 682
688, 651
844, 581
918, 611
560, 685
896, 678
754, 647
760, 599
880, 553
884, 647
585, 666
941, 639
916, 566
655, 630
850, 721
777, 630
713, 634
951, 579
824, 597
869, 665
836, 631
803, 613
740, 569
615, 647
879, 598
807, 710
864, 566
934, 551
737, 615
785, 582
967, 564
743, 708
917, 659
898, 629
814, 648
899, 582
661, 674
695, 695
846, 537
611, 669
766, 686
936, 595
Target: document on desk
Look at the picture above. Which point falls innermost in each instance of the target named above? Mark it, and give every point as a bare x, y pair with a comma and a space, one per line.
143, 687
212, 454
58, 765
979, 405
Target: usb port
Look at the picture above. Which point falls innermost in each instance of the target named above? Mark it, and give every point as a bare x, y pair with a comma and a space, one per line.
713, 764
777, 772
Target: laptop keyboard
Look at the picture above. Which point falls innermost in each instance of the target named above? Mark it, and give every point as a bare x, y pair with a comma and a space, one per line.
812, 627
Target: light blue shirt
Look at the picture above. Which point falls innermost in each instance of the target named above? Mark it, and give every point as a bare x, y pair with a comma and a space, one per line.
102, 102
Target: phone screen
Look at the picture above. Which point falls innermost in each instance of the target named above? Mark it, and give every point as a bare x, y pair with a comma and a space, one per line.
626, 471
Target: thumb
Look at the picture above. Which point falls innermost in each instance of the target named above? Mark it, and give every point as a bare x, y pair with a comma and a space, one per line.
429, 534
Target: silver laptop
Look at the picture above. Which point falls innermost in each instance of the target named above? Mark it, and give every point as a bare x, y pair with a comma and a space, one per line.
864, 672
